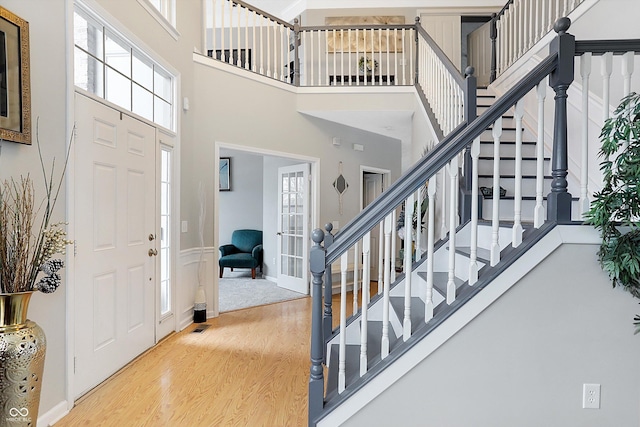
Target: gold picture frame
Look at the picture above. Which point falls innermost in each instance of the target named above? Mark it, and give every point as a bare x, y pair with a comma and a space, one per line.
15, 89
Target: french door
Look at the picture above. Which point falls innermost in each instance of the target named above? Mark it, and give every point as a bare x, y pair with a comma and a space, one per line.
293, 227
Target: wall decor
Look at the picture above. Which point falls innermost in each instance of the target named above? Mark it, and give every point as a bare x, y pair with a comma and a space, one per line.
225, 174
364, 41
15, 91
341, 185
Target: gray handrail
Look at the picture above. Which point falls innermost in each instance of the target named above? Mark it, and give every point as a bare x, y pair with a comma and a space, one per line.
435, 160
599, 47
358, 27
262, 12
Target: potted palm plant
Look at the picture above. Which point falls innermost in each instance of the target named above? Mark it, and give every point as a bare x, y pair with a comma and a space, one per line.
615, 210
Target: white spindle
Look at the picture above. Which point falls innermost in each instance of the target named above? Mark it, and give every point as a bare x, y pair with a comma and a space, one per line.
349, 55
246, 38
395, 56
284, 48
473, 258
384, 343
231, 43
335, 63
408, 227
358, 55
342, 75
394, 240
380, 256
543, 20
519, 30
326, 56
517, 201
606, 70
453, 215
342, 358
404, 58
627, 71
238, 43
539, 214
222, 33
411, 56
558, 7
443, 223
253, 37
431, 192
380, 56
388, 63
356, 268
495, 220
269, 48
418, 227
366, 269
262, 48
585, 72
214, 35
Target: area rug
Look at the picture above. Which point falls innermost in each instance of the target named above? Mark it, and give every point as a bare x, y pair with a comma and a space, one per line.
240, 291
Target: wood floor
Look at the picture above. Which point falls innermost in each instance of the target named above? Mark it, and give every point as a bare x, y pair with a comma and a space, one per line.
249, 368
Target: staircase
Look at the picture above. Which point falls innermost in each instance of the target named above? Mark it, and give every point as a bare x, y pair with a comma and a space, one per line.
499, 153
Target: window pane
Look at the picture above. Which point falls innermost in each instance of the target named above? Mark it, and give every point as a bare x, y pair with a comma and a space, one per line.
166, 164
162, 84
142, 71
118, 89
118, 54
88, 73
142, 102
88, 35
162, 113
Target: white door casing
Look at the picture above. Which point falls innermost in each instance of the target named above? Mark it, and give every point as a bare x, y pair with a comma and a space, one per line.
115, 211
372, 187
293, 227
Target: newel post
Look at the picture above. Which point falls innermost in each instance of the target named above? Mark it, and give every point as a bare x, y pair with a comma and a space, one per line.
316, 376
470, 114
559, 200
296, 59
493, 35
415, 75
327, 315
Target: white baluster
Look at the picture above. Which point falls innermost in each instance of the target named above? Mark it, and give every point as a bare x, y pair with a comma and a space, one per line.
558, 9
388, 63
585, 72
269, 46
284, 48
418, 227
443, 225
627, 71
381, 257
254, 45
394, 240
384, 343
246, 38
473, 258
517, 201
262, 44
349, 55
231, 43
411, 56
431, 192
238, 43
408, 231
539, 212
366, 269
222, 34
356, 268
380, 56
326, 54
606, 70
452, 168
495, 221
543, 20
214, 28
358, 55
395, 56
335, 63
341, 57
404, 58
342, 359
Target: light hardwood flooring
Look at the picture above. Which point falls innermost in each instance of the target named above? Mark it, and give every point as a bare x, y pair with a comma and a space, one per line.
249, 368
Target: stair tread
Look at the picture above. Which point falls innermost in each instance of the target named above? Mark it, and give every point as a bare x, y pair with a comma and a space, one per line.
482, 254
417, 310
511, 158
440, 280
506, 142
510, 176
352, 367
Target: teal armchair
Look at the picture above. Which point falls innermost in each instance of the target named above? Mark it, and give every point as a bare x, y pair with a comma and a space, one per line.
245, 251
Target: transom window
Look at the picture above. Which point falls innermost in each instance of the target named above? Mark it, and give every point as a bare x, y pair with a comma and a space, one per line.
110, 67
166, 9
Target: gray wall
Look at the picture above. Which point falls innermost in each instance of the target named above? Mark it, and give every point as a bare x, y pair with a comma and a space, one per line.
523, 361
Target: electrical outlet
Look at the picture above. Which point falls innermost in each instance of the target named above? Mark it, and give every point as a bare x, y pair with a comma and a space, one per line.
591, 396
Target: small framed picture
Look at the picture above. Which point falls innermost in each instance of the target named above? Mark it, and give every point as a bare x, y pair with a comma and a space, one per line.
225, 174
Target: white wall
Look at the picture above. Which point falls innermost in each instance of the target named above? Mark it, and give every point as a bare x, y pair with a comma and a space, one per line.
522, 361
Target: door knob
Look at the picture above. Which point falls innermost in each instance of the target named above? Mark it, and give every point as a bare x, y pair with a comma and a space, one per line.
151, 237
278, 234
153, 252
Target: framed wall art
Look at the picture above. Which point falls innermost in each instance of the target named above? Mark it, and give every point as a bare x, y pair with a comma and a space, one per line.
15, 91
225, 174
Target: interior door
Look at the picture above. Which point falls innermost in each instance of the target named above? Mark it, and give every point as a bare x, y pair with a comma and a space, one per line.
115, 241
293, 227
372, 184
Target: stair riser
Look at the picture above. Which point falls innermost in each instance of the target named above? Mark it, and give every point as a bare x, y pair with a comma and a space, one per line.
528, 206
508, 167
528, 185
507, 150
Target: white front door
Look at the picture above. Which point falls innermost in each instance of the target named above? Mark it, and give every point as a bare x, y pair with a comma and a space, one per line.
293, 227
116, 241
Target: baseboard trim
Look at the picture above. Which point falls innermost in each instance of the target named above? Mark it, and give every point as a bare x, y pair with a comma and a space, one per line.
53, 415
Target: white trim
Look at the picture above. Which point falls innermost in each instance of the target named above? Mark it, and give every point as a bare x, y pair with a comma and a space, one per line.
55, 414
566, 234
162, 20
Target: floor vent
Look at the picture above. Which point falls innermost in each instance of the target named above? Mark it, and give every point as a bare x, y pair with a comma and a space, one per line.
201, 328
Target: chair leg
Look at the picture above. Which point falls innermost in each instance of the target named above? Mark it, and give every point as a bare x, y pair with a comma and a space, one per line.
221, 271
253, 273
